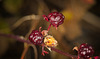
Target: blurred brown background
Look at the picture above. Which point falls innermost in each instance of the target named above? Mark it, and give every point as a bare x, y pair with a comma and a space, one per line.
19, 17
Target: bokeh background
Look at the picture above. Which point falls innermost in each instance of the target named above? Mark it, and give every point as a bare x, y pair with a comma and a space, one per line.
19, 17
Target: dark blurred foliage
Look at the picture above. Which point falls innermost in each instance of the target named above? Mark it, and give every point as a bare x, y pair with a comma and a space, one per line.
81, 25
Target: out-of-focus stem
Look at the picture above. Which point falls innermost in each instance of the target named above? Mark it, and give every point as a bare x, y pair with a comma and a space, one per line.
24, 52
15, 37
35, 51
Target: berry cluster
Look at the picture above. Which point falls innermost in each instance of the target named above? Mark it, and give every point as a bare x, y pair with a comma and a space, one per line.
55, 18
36, 37
85, 51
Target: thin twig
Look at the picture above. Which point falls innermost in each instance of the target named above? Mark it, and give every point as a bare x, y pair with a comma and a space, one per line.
24, 52
28, 42
35, 51
25, 18
49, 27
63, 53
16, 37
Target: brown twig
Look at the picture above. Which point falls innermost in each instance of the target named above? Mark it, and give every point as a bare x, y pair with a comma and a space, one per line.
35, 51
24, 52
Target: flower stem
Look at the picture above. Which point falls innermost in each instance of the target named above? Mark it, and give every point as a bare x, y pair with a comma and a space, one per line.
18, 38
49, 27
63, 53
28, 42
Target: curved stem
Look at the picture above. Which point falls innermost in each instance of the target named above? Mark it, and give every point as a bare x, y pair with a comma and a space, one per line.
35, 51
24, 52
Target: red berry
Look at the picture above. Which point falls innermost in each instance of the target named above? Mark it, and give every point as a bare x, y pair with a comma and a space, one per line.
36, 37
55, 18
86, 51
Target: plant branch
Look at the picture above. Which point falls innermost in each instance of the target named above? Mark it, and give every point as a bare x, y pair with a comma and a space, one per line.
63, 53
49, 27
18, 38
24, 52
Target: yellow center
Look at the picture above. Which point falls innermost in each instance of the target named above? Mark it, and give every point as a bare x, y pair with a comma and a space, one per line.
50, 41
